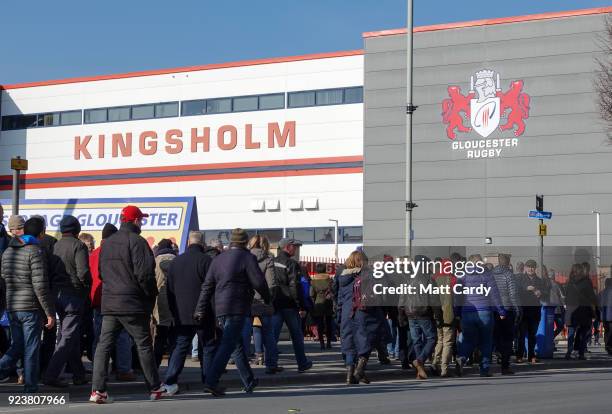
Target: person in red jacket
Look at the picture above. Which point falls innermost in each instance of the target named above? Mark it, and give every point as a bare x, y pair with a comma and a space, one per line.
123, 360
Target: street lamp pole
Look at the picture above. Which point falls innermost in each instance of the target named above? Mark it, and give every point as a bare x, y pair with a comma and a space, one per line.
410, 108
335, 238
598, 238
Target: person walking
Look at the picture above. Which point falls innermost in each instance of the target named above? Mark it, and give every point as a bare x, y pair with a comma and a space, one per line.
288, 300
28, 298
423, 313
581, 304
129, 289
162, 320
504, 328
4, 237
532, 290
122, 353
605, 305
185, 277
259, 246
476, 310
70, 304
230, 282
323, 307
359, 324
214, 248
447, 327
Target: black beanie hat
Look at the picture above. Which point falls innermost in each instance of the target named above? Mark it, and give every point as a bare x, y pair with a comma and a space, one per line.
33, 227
164, 244
70, 224
108, 230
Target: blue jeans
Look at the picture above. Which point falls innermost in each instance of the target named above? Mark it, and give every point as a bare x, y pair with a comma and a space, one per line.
258, 340
26, 329
181, 336
123, 347
267, 341
477, 330
230, 345
68, 348
292, 318
194, 347
423, 334
247, 332
393, 346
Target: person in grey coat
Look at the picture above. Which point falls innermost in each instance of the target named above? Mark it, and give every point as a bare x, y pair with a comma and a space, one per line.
28, 296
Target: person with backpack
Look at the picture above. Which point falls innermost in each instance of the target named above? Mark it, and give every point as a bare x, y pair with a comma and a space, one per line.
162, 320
322, 298
288, 300
259, 246
359, 324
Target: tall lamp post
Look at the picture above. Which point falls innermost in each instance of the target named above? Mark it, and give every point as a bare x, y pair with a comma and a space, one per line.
410, 108
335, 238
598, 238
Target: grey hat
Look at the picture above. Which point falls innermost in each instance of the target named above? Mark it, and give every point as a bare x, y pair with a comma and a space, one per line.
288, 242
16, 222
531, 263
239, 236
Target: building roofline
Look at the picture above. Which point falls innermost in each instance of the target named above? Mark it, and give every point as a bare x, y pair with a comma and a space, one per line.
489, 22
226, 65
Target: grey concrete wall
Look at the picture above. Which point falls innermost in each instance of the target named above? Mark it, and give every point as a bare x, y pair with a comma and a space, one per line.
563, 154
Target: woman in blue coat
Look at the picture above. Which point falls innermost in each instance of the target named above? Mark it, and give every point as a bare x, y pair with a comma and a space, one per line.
359, 326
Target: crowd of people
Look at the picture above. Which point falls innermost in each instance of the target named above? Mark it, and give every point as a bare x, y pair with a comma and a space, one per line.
123, 301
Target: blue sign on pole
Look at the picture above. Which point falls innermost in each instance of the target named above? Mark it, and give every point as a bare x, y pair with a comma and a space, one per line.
546, 215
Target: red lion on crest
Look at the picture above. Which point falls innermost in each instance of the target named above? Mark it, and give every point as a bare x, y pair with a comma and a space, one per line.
514, 100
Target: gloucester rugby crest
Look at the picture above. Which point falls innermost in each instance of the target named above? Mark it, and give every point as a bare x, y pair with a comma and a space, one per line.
487, 108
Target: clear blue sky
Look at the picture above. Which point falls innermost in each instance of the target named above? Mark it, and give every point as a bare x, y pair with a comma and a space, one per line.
58, 39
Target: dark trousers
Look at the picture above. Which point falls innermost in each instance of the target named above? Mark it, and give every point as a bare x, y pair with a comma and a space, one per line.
68, 348
608, 336
160, 342
230, 345
529, 329
181, 338
406, 348
503, 334
47, 347
324, 325
138, 327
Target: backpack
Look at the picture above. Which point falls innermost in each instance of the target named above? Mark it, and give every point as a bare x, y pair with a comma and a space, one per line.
358, 296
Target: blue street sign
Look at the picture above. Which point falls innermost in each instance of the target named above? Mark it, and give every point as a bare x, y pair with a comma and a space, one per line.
546, 215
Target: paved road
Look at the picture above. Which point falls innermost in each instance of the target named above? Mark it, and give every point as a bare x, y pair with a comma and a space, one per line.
578, 390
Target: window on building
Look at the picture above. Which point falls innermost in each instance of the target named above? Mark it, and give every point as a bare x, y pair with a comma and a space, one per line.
276, 101
245, 103
51, 119
143, 111
11, 122
353, 95
301, 99
351, 234
218, 106
70, 118
305, 235
120, 113
193, 107
223, 235
329, 97
273, 235
166, 109
93, 116
324, 235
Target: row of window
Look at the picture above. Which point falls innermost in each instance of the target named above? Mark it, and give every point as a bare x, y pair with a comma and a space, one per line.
41, 120
307, 235
302, 99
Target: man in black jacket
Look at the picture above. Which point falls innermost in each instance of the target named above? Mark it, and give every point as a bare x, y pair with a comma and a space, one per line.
70, 304
129, 289
27, 292
532, 290
186, 275
288, 300
230, 282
